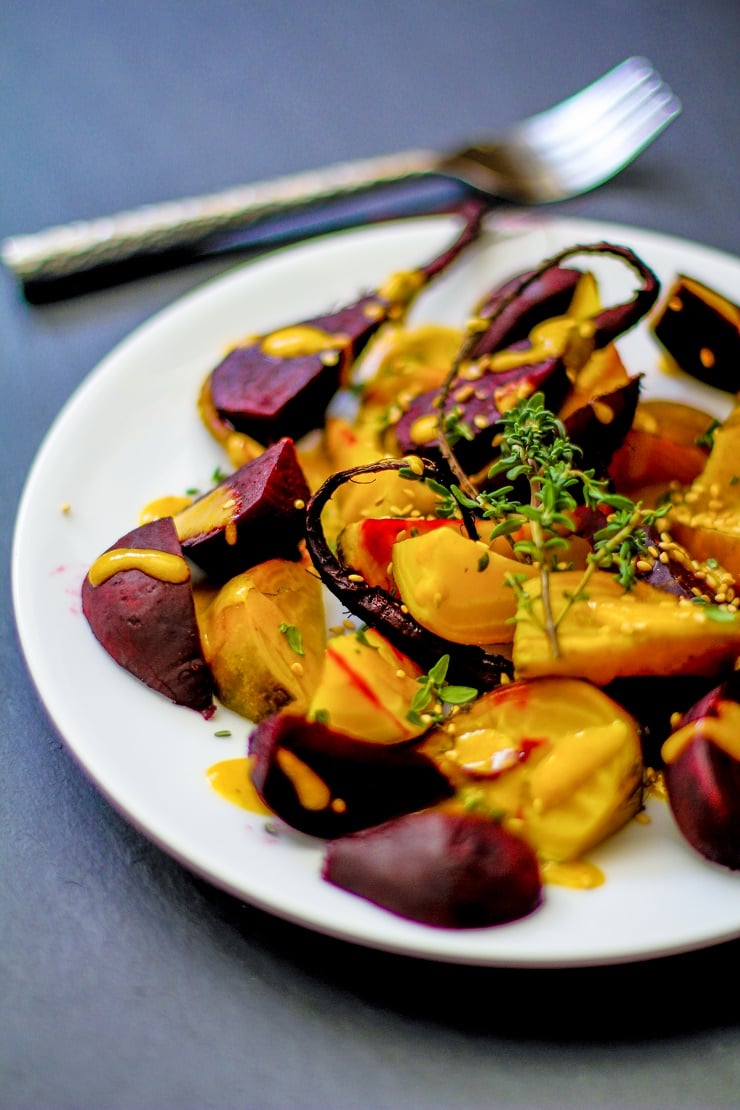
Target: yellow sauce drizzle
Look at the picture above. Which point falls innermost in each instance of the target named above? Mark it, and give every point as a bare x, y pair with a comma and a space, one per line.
157, 564
577, 874
722, 730
230, 778
312, 791
163, 506
401, 286
547, 339
301, 340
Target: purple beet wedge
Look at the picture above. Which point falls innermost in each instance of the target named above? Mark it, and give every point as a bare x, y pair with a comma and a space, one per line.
138, 601
548, 295
280, 384
479, 405
326, 784
599, 427
702, 774
484, 386
452, 870
255, 514
700, 331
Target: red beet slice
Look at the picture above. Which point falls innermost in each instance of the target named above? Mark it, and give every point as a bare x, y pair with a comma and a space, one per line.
453, 870
700, 330
326, 784
599, 428
255, 514
148, 625
702, 775
479, 404
548, 295
268, 393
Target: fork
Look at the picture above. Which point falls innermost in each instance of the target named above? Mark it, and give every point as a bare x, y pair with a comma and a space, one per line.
559, 153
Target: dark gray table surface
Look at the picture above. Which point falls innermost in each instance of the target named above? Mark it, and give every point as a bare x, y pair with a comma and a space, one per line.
124, 980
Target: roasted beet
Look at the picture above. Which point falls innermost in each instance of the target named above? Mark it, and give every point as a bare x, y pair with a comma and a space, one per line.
480, 404
599, 427
702, 774
469, 665
653, 700
143, 613
700, 330
482, 386
453, 870
255, 514
548, 295
325, 783
280, 384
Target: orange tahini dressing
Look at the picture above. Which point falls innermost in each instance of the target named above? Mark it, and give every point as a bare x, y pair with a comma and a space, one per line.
722, 730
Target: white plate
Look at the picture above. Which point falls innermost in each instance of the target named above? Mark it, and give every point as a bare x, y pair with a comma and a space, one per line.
131, 433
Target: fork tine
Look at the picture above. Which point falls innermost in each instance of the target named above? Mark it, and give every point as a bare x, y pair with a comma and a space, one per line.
639, 102
607, 154
633, 77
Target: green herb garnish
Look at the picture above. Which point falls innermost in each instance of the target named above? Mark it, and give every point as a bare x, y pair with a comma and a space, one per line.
294, 637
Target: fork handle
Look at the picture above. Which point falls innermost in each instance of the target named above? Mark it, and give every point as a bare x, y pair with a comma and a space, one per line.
74, 248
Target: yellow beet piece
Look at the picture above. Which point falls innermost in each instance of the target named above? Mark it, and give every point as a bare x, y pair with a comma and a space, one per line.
613, 634
403, 362
707, 520
366, 689
257, 668
372, 495
456, 587
556, 757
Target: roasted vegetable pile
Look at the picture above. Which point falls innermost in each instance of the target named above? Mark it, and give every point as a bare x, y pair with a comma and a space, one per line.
539, 571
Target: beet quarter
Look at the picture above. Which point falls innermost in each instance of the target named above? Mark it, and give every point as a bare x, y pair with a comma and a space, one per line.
255, 514
138, 601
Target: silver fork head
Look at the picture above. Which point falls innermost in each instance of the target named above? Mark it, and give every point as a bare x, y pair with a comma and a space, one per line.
588, 138
577, 144
630, 82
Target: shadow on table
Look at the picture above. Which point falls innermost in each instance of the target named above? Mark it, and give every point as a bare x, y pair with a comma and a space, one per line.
629, 1002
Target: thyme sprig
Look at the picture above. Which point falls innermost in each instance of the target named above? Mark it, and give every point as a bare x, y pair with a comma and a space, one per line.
534, 510
435, 695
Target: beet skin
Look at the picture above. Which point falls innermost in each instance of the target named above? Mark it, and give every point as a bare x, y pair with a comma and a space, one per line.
148, 626
453, 870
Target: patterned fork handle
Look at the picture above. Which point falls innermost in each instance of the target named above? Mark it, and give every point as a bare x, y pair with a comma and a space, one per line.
74, 248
